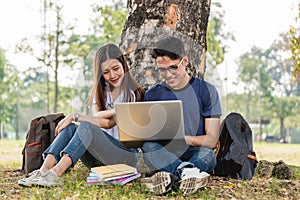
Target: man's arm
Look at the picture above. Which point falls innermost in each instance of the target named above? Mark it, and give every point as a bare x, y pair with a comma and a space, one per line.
210, 139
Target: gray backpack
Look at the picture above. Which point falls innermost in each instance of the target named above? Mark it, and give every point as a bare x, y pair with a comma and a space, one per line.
235, 155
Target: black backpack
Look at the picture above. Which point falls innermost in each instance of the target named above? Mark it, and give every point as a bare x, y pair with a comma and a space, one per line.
40, 135
235, 155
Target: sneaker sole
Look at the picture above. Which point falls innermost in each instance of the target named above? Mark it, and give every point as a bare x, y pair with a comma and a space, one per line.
191, 185
159, 183
48, 185
28, 183
24, 184
31, 181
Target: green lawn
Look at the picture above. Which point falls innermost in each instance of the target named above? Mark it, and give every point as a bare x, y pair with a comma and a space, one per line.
11, 151
289, 153
218, 188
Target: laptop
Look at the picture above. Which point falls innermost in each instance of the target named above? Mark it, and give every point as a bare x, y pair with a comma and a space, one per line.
160, 121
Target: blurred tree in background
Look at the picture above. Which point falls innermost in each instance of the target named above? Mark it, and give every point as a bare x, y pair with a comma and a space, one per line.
269, 90
61, 78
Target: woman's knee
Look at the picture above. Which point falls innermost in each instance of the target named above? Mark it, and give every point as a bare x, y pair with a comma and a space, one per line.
69, 131
84, 128
84, 125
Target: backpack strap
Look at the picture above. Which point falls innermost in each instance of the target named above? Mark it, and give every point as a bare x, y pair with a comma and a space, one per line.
253, 157
53, 120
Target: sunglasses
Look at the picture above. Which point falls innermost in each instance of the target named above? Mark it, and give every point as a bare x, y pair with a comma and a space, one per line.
171, 69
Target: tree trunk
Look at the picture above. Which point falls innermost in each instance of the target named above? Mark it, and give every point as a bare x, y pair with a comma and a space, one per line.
57, 36
1, 131
282, 135
151, 20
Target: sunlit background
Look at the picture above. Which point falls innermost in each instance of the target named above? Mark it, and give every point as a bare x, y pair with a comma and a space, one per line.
255, 26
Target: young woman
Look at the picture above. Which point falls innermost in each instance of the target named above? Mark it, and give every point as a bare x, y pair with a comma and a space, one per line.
95, 140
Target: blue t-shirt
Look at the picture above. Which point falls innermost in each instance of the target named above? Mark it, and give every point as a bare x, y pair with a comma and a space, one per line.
199, 99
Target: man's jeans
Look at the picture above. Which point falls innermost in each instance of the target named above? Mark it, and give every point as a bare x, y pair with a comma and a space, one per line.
92, 145
158, 157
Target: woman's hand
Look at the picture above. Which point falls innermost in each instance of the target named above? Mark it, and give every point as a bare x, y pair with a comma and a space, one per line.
63, 123
105, 118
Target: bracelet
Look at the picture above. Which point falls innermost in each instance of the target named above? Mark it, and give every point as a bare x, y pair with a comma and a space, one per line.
76, 116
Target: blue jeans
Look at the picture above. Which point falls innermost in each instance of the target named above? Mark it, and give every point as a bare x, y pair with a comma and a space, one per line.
157, 157
92, 145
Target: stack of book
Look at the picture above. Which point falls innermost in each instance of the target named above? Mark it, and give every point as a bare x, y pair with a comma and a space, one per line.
112, 174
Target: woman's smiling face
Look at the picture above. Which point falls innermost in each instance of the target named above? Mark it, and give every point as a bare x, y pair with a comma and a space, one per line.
113, 72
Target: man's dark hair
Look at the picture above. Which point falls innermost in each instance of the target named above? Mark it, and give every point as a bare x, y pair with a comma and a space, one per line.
171, 47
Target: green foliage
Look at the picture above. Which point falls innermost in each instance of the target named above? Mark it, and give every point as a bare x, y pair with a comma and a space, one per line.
280, 67
241, 103
4, 89
213, 45
8, 93
272, 85
273, 109
33, 93
283, 107
294, 39
250, 64
2, 64
109, 24
215, 35
295, 48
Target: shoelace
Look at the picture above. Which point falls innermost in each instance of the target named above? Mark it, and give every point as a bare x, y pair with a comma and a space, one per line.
34, 173
178, 171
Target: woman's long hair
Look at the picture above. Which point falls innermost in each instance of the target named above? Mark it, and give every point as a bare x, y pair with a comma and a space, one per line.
98, 92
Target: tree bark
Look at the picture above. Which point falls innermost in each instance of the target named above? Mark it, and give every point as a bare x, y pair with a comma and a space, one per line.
282, 135
151, 20
57, 35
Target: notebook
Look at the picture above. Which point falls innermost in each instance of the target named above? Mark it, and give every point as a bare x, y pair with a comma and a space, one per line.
112, 172
160, 121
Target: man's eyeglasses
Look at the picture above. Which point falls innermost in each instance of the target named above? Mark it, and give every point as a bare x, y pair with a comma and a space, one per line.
172, 69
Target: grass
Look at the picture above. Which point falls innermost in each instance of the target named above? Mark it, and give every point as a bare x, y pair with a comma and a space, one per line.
218, 188
11, 151
289, 153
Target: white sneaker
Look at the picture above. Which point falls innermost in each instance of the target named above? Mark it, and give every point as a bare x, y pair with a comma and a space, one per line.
192, 179
159, 183
31, 179
50, 179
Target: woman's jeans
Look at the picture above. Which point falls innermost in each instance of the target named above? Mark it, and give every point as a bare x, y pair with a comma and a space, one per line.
157, 157
92, 145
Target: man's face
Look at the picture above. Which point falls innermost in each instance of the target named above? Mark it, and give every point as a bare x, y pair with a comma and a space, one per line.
172, 71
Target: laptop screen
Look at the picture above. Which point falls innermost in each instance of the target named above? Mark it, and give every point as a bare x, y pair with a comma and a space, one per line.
149, 121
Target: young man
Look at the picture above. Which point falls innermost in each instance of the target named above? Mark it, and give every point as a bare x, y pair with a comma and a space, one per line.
184, 167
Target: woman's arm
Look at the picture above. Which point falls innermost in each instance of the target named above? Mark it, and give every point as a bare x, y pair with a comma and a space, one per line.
104, 119
107, 114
